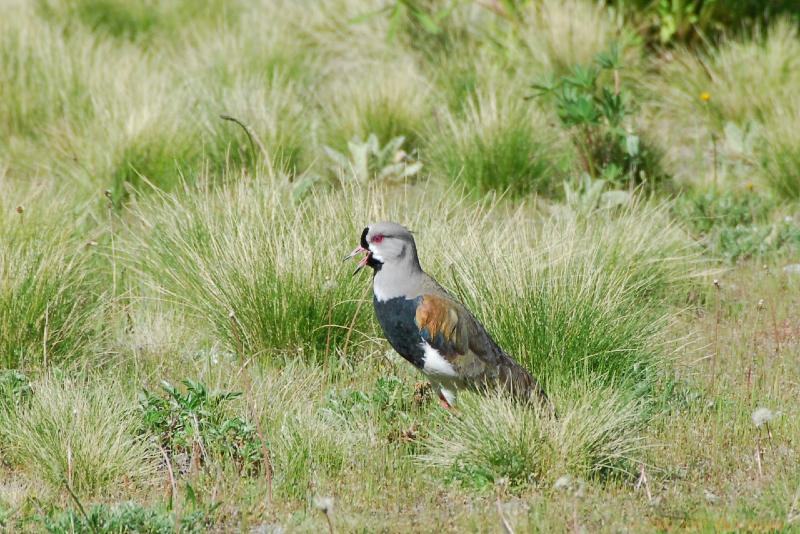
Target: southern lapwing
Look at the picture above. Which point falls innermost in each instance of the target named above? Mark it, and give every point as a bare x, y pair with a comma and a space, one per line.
429, 327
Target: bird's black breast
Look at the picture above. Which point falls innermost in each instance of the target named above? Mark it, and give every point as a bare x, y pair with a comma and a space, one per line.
397, 318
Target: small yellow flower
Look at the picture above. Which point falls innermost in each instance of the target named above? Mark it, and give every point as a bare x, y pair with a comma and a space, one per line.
750, 186
705, 96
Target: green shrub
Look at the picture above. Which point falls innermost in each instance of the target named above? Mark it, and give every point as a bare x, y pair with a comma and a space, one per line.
691, 21
364, 161
391, 406
15, 389
596, 108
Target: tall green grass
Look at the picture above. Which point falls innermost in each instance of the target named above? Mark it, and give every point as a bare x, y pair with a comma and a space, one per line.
571, 297
253, 265
579, 298
51, 298
500, 144
110, 115
557, 35
391, 104
140, 21
583, 302
43, 84
780, 158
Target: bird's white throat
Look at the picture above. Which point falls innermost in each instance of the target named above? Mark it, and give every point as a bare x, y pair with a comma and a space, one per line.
381, 290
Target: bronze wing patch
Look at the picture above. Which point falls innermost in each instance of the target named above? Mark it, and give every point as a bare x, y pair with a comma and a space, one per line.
438, 322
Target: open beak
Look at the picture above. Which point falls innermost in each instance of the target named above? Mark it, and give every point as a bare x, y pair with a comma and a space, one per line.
363, 260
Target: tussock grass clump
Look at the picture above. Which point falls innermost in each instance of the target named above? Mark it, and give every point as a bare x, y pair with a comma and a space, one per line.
492, 439
735, 75
46, 308
600, 432
583, 303
389, 104
274, 112
554, 35
50, 301
500, 144
265, 273
115, 114
306, 450
582, 298
69, 432
42, 82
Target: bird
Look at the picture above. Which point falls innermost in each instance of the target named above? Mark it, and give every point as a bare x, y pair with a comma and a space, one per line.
432, 329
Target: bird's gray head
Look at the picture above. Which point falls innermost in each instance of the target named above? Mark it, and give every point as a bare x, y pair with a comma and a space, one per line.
386, 243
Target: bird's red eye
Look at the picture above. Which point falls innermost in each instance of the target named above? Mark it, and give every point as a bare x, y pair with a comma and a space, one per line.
377, 238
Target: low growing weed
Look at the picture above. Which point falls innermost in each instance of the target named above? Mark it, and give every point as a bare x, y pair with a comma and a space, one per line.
193, 426
129, 517
737, 225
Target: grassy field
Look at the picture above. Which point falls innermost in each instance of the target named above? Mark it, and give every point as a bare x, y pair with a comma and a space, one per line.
613, 189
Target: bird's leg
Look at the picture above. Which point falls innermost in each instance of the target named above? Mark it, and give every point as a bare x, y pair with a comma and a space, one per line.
443, 402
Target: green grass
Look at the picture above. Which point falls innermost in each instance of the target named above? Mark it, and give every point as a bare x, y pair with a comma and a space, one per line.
389, 105
126, 517
583, 300
139, 22
781, 153
51, 296
43, 81
658, 326
234, 258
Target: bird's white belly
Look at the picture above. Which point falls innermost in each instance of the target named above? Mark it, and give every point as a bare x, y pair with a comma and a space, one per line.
435, 364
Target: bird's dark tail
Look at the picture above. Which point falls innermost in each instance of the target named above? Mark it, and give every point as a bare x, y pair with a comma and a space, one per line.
523, 387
